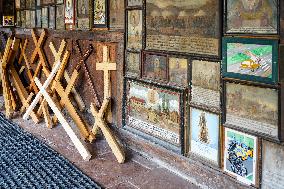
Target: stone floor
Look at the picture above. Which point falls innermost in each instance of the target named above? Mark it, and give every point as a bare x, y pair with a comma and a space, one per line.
137, 172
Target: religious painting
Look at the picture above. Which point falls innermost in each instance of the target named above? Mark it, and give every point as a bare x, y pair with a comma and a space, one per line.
38, 3
18, 4
252, 16
134, 29
28, 18
83, 19
155, 67
253, 109
59, 1
240, 156
205, 84
155, 111
47, 2
204, 140
30, 4
272, 165
44, 17
116, 14
51, 19
18, 23
183, 26
33, 19
23, 4
178, 71
100, 14
69, 12
133, 3
60, 25
133, 64
251, 59
23, 18
38, 18
8, 21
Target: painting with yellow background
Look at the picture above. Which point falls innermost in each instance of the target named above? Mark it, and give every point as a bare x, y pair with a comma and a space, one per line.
178, 71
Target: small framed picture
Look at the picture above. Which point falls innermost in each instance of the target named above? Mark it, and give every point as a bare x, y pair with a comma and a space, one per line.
23, 18
18, 4
33, 19
60, 25
44, 17
69, 10
133, 64
18, 21
38, 3
22, 4
134, 30
100, 15
134, 3
28, 18
83, 15
48, 2
51, 20
38, 18
178, 71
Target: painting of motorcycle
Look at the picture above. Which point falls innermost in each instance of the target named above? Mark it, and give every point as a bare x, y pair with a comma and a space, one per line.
241, 156
155, 111
251, 59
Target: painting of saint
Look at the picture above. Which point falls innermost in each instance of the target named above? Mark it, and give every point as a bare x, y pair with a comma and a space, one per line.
252, 16
100, 12
178, 71
116, 14
51, 17
133, 64
69, 12
134, 30
83, 14
44, 17
155, 67
60, 17
38, 18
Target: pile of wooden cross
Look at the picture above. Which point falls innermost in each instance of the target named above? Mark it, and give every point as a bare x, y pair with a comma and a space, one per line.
37, 99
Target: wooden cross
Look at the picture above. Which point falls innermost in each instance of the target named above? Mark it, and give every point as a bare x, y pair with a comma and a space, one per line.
38, 51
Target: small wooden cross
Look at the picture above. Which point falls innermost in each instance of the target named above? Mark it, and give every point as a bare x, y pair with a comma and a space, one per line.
38, 51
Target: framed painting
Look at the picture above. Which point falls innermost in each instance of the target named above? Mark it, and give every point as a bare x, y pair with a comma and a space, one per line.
17, 4
157, 113
100, 14
251, 59
51, 20
60, 25
116, 14
134, 3
69, 10
59, 1
33, 19
32, 4
38, 18
44, 17
133, 64
28, 19
155, 66
178, 71
251, 16
134, 30
83, 14
8, 21
23, 18
241, 156
18, 19
28, 4
252, 109
47, 2
272, 165
38, 3
205, 135
22, 4
205, 84
175, 26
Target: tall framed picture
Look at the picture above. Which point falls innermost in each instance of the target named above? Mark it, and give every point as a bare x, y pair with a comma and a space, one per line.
38, 3
59, 1
251, 16
83, 14
60, 25
51, 20
33, 19
23, 18
69, 10
133, 64
241, 156
178, 71
18, 22
22, 4
116, 14
28, 19
38, 18
44, 17
17, 4
134, 30
251, 59
100, 14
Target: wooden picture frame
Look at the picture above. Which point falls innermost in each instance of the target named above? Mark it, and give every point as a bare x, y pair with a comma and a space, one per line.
69, 12
8, 21
205, 136
28, 19
33, 19
241, 153
155, 66
17, 4
23, 18
18, 18
134, 3
134, 30
52, 17
255, 60
59, 1
167, 132
38, 3
47, 2
83, 14
100, 14
253, 109
256, 17
38, 18
44, 17
60, 25
22, 4
133, 64
116, 14
178, 71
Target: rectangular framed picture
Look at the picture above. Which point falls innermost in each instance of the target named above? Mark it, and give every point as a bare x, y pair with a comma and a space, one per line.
251, 59
38, 18
22, 4
69, 9
8, 21
28, 19
44, 17
178, 71
59, 1
205, 84
23, 18
51, 15
134, 30
17, 4
133, 64
156, 113
175, 26
100, 14
38, 3
205, 135
83, 14
116, 14
60, 25
134, 3
18, 18
155, 66
33, 19
252, 109
47, 2
251, 16
241, 156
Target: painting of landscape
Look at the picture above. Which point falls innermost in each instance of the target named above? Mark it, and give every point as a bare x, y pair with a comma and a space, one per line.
155, 111
183, 26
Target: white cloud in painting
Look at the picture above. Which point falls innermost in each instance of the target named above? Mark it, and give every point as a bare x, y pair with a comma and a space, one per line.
174, 105
140, 93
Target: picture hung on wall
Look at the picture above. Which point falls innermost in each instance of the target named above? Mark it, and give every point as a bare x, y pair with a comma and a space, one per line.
251, 59
38, 18
8, 21
23, 4
33, 19
155, 66
178, 71
240, 156
28, 19
83, 19
272, 165
32, 4
116, 14
134, 29
44, 17
59, 1
100, 18
133, 3
28, 4
60, 25
156, 112
51, 16
38, 3
133, 64
47, 2
253, 109
174, 25
69, 12
252, 16
23, 18
205, 84
18, 23
17, 4
204, 140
